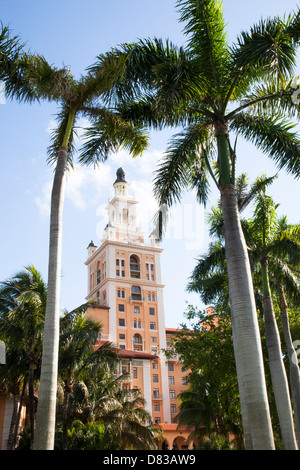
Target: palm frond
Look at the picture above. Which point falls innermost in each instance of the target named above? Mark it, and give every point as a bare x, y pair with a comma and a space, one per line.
293, 27
108, 133
266, 49
180, 164
273, 136
205, 28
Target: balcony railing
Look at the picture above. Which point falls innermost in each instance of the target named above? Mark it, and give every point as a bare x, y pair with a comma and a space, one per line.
134, 267
157, 397
137, 297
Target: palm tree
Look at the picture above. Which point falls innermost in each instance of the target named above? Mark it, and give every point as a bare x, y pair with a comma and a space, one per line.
270, 247
285, 282
85, 97
77, 355
127, 417
22, 309
30, 77
214, 89
268, 250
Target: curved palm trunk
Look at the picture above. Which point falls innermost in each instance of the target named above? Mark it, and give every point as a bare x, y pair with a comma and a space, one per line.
246, 336
294, 368
45, 419
277, 369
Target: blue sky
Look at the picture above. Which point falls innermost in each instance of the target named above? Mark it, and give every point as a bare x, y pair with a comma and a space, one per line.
73, 33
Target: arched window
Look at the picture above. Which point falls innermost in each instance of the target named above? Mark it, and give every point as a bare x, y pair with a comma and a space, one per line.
135, 270
136, 293
137, 343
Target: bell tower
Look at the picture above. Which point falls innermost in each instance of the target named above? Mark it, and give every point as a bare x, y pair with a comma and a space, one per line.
121, 211
124, 278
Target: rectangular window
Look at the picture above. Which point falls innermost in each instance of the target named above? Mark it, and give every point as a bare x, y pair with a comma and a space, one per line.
184, 380
121, 336
155, 393
171, 380
154, 365
117, 272
149, 297
121, 308
153, 298
136, 309
156, 407
173, 409
157, 420
155, 378
152, 325
135, 372
170, 366
172, 394
151, 311
121, 321
153, 339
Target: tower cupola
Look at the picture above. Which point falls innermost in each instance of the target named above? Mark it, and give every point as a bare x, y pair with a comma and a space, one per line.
121, 185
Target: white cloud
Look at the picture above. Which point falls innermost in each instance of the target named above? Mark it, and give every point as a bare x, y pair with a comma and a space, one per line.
93, 186
43, 201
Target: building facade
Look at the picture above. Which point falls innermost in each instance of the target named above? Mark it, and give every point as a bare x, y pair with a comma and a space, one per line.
124, 278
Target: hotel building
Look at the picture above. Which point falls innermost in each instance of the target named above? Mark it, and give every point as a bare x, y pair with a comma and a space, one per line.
124, 278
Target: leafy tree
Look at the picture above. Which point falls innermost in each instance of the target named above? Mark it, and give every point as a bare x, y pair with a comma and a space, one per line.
211, 403
77, 354
22, 313
125, 415
214, 90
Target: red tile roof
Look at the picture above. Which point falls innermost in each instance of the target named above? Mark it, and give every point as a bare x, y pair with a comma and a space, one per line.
136, 354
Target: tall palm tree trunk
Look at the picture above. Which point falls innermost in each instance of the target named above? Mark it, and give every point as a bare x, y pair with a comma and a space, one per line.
245, 331
294, 367
45, 419
246, 336
277, 369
